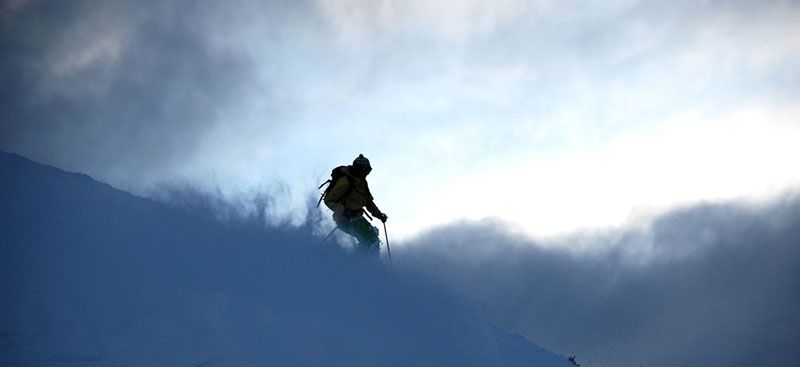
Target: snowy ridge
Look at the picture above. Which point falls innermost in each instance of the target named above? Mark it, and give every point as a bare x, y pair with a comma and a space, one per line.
95, 276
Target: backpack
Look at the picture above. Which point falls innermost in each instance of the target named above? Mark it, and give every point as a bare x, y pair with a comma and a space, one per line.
336, 174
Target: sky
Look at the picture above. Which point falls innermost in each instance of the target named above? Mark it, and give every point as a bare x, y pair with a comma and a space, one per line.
551, 116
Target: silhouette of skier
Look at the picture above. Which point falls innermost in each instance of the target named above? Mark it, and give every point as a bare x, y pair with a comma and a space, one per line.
347, 196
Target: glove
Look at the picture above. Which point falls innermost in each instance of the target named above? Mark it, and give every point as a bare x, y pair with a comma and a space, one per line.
383, 217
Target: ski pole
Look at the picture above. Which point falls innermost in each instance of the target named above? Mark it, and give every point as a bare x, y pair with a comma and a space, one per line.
329, 235
389, 250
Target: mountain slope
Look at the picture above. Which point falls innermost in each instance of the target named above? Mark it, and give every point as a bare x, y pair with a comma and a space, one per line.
95, 276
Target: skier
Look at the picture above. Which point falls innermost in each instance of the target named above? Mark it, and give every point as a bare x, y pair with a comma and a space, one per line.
347, 196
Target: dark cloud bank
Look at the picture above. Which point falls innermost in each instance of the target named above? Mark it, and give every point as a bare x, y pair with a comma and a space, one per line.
706, 285
120, 88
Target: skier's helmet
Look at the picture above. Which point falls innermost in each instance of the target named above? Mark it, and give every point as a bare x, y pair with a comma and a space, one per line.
362, 165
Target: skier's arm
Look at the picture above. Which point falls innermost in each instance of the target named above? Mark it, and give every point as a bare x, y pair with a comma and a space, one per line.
373, 209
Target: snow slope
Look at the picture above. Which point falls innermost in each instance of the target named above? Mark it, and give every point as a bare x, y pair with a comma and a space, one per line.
93, 276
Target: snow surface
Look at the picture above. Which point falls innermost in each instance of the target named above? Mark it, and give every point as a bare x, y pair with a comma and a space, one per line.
93, 276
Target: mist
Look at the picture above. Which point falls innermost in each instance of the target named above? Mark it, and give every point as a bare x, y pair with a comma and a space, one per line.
706, 284
712, 284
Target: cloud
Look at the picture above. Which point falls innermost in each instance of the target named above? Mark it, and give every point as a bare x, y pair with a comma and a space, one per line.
233, 94
359, 21
123, 88
706, 285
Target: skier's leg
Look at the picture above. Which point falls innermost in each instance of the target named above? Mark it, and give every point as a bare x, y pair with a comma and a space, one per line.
347, 227
366, 234
362, 231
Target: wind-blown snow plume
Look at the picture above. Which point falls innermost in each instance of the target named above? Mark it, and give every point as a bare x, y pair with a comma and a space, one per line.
94, 276
707, 285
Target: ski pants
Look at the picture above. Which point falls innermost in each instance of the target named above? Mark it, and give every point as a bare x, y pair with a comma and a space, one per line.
365, 233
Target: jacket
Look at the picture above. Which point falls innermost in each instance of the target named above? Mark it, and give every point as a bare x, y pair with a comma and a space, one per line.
342, 196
